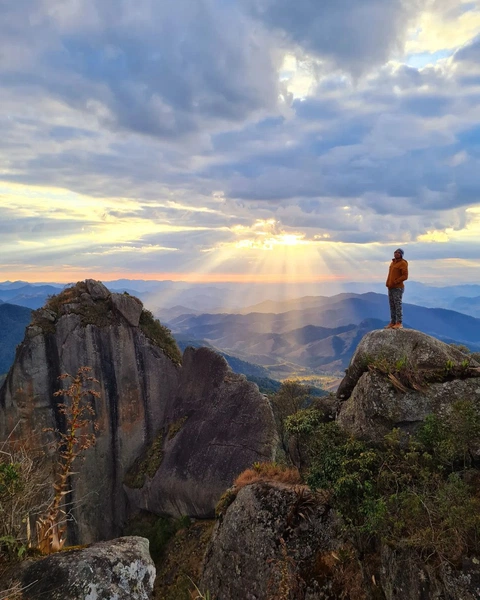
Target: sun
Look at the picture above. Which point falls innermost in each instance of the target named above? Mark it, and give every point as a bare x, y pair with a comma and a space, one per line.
290, 239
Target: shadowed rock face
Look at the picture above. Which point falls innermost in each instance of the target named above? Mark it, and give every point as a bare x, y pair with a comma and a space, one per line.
198, 425
397, 378
217, 426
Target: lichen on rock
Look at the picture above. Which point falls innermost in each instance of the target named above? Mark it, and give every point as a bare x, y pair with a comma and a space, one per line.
398, 378
121, 569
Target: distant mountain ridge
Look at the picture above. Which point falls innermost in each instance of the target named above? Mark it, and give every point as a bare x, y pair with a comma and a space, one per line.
165, 295
28, 295
322, 336
270, 332
13, 321
332, 312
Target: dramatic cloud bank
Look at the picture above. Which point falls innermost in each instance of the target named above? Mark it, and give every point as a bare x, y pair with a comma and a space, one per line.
239, 138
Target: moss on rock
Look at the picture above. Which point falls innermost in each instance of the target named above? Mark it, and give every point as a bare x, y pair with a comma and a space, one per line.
225, 501
175, 427
79, 302
145, 465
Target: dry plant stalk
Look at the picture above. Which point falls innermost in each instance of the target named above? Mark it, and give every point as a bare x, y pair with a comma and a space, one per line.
51, 527
24, 491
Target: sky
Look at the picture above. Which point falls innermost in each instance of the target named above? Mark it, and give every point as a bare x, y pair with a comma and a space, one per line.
257, 141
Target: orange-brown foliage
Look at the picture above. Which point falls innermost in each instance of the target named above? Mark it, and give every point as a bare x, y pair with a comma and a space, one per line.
268, 472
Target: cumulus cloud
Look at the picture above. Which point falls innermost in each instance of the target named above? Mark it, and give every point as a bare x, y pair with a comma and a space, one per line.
157, 68
353, 35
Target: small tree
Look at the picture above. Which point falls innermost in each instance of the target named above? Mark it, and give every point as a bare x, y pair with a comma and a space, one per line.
290, 398
71, 444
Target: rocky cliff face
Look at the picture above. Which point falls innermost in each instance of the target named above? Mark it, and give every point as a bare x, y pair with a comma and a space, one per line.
199, 423
217, 425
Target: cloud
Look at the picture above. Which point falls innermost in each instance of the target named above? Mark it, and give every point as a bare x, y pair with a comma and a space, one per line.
353, 35
159, 68
149, 135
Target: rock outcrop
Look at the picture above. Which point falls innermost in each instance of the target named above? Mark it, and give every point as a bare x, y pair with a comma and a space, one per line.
279, 541
270, 543
197, 425
397, 378
404, 577
217, 426
120, 569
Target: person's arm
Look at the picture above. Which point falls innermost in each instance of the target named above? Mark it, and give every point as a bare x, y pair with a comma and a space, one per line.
403, 274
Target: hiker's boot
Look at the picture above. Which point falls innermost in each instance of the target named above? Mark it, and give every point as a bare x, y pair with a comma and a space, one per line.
397, 326
389, 326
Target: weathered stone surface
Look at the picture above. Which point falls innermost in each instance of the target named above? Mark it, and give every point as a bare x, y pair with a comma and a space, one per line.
270, 529
49, 315
97, 290
117, 570
405, 577
271, 544
219, 425
426, 353
137, 382
129, 307
205, 423
374, 404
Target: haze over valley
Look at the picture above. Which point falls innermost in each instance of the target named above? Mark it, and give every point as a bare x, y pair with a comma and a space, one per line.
311, 338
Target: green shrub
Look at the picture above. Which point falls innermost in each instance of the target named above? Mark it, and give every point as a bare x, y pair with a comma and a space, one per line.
25, 489
298, 430
160, 335
453, 439
158, 530
418, 492
290, 398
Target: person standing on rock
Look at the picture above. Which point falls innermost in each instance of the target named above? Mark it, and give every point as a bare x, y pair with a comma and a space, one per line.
397, 274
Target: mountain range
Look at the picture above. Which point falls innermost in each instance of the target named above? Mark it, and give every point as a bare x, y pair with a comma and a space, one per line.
173, 298
268, 338
320, 333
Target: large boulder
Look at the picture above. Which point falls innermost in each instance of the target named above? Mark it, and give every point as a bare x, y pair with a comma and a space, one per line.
120, 569
129, 307
282, 541
218, 425
427, 356
269, 544
397, 378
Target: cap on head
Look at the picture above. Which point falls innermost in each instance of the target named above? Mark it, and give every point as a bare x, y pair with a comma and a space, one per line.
400, 250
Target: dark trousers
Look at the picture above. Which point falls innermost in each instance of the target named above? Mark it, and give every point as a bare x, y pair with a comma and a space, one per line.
395, 300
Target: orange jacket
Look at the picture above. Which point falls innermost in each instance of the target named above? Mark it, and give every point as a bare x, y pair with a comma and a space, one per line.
397, 274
